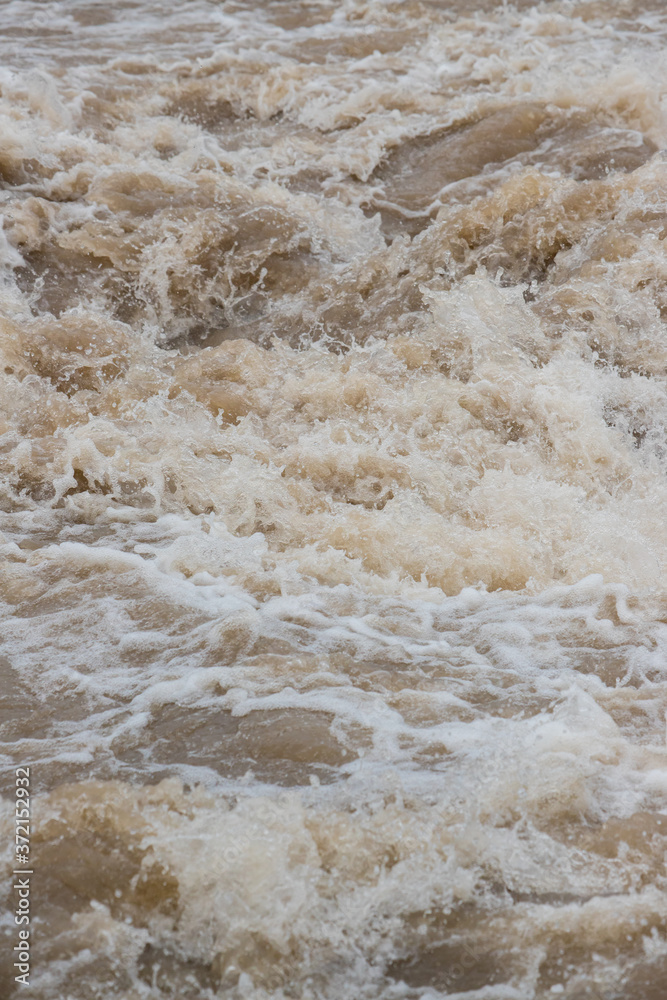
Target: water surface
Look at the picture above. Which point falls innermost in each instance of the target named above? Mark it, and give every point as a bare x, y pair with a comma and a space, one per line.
333, 496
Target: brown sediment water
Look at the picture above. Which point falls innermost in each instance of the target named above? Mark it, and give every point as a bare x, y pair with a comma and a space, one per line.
333, 497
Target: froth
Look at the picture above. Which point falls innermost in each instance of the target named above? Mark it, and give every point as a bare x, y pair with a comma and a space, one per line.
332, 424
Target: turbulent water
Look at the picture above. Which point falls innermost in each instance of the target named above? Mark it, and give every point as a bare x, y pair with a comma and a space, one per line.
333, 497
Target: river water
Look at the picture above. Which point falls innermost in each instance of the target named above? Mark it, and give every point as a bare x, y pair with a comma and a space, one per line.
333, 497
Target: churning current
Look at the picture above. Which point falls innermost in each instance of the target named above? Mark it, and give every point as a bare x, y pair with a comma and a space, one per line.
333, 497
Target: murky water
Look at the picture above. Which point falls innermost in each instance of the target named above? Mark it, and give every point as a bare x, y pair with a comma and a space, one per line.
333, 491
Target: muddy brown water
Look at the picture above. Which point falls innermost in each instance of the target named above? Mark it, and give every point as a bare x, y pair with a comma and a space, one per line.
333, 497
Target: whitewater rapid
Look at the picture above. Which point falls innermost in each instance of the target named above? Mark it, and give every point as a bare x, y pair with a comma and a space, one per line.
333, 497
